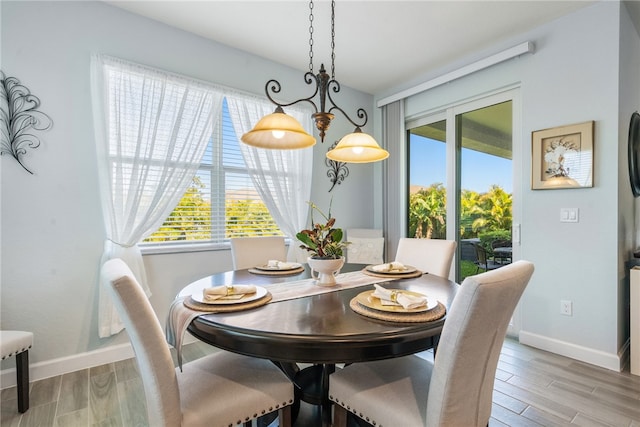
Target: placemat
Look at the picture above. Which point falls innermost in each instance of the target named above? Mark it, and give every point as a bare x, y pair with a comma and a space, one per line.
428, 316
277, 272
411, 275
226, 308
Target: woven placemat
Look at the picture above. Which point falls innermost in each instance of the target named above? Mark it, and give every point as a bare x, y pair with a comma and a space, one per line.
411, 275
426, 316
226, 308
277, 272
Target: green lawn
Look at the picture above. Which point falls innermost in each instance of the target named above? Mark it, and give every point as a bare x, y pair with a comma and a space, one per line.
467, 268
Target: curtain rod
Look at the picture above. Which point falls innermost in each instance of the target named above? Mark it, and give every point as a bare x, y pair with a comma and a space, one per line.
526, 47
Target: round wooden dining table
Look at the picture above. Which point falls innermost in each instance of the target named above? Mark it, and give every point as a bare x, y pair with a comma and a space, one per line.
321, 330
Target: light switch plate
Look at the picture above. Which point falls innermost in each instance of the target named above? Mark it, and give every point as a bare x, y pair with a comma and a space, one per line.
569, 215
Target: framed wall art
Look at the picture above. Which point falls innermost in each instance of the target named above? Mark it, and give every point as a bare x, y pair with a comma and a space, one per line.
19, 117
562, 157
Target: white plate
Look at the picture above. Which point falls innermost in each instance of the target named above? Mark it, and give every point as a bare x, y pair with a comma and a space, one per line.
367, 300
290, 266
407, 270
260, 292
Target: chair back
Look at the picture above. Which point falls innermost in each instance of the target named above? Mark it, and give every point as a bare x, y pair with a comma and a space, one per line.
248, 252
461, 388
366, 246
481, 254
433, 256
147, 338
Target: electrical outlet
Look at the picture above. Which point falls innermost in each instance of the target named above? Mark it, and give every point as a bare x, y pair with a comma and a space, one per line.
566, 307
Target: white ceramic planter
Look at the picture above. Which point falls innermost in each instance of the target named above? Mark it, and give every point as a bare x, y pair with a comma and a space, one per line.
324, 271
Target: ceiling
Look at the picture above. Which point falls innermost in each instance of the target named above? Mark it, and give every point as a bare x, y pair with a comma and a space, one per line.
379, 44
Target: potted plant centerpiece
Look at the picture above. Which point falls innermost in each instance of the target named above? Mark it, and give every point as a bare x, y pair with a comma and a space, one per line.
324, 242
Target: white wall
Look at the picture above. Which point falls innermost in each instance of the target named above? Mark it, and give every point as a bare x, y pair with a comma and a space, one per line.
52, 231
578, 70
572, 77
629, 93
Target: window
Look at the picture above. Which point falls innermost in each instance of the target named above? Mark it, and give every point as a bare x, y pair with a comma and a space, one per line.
172, 169
221, 201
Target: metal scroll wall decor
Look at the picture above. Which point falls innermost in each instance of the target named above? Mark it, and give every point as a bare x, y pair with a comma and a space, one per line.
19, 116
338, 171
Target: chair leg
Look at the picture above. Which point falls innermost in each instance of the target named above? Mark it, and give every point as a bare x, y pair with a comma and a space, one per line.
22, 380
436, 341
284, 416
339, 416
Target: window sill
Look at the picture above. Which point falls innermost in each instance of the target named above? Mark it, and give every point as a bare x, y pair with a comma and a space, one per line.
181, 248
157, 249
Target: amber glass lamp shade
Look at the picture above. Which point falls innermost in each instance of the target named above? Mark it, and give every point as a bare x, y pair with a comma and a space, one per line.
357, 147
278, 131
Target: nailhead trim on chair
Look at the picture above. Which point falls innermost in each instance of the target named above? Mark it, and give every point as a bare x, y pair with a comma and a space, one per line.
263, 412
355, 412
16, 353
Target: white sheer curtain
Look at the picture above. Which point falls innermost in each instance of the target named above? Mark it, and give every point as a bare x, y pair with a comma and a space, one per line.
152, 129
281, 177
394, 175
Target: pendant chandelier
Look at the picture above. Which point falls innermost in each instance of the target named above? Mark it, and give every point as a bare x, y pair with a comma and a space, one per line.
281, 131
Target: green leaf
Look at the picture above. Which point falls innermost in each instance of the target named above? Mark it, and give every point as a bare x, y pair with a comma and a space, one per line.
304, 238
336, 235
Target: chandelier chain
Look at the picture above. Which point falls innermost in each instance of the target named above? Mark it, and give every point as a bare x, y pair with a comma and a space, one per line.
325, 86
333, 39
311, 36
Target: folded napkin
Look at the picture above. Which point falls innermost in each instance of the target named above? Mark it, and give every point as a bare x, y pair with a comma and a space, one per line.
390, 267
274, 263
394, 297
227, 292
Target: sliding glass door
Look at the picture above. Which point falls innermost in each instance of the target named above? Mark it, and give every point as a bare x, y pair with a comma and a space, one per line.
461, 180
427, 160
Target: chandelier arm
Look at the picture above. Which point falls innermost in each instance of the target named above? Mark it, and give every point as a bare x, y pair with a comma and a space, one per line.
334, 86
275, 88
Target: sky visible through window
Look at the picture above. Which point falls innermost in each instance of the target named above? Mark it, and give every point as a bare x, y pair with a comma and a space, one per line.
480, 170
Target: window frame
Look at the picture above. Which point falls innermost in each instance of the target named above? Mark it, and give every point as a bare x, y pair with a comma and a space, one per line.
217, 172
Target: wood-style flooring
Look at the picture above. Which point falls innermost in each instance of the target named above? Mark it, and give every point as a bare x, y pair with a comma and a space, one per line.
532, 388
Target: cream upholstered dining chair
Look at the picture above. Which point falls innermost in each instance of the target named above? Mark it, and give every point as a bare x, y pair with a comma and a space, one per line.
221, 389
457, 388
18, 343
366, 246
247, 252
433, 256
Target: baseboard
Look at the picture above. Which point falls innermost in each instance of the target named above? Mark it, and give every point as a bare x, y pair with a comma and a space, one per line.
64, 365
625, 354
614, 362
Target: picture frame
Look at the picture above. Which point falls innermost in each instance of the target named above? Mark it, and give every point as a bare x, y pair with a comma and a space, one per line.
634, 154
562, 157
